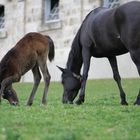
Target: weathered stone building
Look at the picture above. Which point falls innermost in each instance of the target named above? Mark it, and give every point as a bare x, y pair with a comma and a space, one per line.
60, 19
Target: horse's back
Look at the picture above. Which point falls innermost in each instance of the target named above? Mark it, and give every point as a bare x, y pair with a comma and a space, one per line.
109, 31
86, 31
128, 14
99, 32
128, 23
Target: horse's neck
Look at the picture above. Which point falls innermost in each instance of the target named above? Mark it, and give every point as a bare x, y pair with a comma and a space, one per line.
74, 62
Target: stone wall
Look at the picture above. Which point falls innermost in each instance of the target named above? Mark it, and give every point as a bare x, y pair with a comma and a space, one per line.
14, 25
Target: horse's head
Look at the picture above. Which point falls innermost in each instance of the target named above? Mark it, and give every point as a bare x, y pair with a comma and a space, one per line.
71, 83
11, 96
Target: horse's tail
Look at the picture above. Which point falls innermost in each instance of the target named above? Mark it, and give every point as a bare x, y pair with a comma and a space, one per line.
51, 49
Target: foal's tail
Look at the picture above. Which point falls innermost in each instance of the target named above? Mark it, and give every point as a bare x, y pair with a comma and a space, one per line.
51, 49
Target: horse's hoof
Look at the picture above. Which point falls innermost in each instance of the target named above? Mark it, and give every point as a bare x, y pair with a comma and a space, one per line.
124, 103
70, 102
79, 102
29, 104
137, 103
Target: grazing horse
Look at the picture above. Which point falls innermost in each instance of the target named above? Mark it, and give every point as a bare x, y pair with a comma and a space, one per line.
103, 33
30, 53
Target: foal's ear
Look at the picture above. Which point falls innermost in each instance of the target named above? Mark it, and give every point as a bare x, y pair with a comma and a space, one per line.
62, 69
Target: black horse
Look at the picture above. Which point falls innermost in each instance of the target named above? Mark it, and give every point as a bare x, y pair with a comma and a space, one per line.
104, 33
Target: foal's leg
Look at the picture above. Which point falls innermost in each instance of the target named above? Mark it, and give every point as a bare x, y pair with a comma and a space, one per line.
136, 59
46, 76
37, 78
117, 78
86, 61
7, 82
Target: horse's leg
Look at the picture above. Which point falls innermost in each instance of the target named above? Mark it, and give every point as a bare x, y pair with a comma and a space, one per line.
136, 60
8, 82
137, 102
117, 78
86, 64
46, 76
37, 78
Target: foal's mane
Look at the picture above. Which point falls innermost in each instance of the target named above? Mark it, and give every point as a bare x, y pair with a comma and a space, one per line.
5, 60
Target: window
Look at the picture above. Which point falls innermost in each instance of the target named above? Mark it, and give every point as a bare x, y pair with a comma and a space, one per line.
111, 3
2, 19
51, 11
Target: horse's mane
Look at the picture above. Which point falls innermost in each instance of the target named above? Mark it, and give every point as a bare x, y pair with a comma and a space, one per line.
75, 55
98, 9
74, 62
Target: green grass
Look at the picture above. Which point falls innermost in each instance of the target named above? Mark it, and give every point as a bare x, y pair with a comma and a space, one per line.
101, 117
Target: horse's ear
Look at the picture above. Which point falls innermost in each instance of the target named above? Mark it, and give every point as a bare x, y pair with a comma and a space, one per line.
63, 70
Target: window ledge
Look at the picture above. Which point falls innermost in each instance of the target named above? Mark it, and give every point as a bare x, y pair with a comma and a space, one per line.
51, 25
3, 34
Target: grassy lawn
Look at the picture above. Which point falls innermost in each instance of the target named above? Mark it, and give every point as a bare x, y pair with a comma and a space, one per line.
101, 117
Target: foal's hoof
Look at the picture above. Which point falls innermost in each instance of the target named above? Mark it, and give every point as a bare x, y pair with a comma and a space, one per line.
124, 103
44, 102
79, 102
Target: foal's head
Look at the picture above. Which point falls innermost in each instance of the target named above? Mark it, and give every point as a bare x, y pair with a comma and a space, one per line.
9, 93
71, 83
11, 96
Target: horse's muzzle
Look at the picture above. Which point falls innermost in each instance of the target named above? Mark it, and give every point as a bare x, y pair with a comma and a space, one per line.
14, 103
